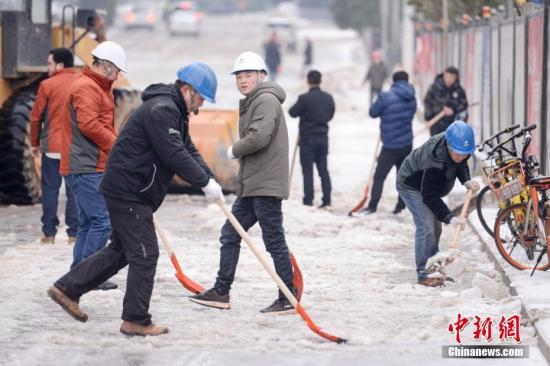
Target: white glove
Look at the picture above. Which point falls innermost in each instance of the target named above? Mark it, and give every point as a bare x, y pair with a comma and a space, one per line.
230, 153
457, 221
213, 190
472, 184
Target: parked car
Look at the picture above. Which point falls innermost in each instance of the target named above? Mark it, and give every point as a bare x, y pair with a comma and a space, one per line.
286, 32
184, 18
141, 14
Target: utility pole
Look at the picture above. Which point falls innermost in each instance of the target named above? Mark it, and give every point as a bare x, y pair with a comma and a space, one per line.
445, 32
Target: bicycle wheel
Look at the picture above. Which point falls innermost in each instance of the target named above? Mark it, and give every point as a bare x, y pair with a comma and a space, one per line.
487, 209
518, 246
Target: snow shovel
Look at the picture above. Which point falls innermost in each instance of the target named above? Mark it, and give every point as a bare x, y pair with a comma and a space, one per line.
363, 200
293, 162
185, 281
431, 122
441, 262
436, 119
261, 257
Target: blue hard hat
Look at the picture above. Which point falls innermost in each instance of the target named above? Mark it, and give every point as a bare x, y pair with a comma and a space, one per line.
202, 78
460, 137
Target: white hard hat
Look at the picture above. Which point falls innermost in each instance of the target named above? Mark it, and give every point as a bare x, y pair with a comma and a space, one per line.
112, 52
249, 61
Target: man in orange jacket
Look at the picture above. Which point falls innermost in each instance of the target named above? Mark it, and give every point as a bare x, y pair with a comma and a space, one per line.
46, 124
88, 137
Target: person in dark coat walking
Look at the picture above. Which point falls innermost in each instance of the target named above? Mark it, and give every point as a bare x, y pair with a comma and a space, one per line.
446, 94
428, 174
315, 109
272, 50
376, 75
396, 108
308, 56
153, 146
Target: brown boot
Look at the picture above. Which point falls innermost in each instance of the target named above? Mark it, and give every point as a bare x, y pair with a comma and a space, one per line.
133, 329
432, 282
48, 240
71, 240
67, 304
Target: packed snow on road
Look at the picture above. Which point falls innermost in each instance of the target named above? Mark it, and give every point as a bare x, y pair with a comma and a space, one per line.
359, 273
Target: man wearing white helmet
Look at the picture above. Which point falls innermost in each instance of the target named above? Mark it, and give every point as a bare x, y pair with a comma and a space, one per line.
88, 135
263, 181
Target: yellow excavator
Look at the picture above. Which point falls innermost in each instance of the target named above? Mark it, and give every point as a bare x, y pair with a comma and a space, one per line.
26, 36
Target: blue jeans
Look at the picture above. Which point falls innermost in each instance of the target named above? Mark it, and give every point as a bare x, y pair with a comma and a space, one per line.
51, 182
249, 210
314, 150
428, 228
94, 224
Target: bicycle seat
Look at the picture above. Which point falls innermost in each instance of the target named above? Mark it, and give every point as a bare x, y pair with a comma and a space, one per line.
540, 180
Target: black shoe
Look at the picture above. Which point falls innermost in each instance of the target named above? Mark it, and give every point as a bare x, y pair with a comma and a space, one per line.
325, 206
212, 298
366, 211
397, 210
279, 306
106, 286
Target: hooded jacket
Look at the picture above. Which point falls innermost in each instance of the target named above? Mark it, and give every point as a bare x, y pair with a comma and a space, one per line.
88, 132
430, 170
439, 96
396, 108
48, 110
153, 146
263, 146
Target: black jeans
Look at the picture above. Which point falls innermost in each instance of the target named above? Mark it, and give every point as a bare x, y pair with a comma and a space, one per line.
133, 243
249, 210
314, 149
386, 160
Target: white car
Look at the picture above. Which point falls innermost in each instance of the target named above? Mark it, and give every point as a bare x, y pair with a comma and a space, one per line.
185, 19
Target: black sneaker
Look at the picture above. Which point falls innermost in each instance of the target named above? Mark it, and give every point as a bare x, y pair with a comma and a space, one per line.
366, 211
106, 286
212, 298
397, 210
325, 207
279, 306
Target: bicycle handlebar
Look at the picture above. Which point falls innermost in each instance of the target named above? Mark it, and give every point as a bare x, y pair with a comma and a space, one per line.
506, 130
514, 136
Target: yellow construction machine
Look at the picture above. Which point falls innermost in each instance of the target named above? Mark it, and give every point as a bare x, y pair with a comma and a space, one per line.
26, 36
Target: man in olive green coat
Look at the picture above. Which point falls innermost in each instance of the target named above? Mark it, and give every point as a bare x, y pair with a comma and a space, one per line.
263, 181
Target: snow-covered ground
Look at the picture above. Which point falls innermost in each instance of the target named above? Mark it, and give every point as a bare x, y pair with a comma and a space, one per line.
358, 272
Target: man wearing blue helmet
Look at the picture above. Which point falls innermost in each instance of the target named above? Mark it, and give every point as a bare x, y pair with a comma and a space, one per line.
428, 174
153, 146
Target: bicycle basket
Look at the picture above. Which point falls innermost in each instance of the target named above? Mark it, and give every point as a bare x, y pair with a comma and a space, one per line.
507, 181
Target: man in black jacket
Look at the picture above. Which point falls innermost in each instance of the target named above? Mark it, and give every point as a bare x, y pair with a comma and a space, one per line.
446, 94
428, 174
152, 147
315, 109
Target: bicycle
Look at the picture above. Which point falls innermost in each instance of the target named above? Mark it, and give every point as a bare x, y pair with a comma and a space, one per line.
488, 206
523, 219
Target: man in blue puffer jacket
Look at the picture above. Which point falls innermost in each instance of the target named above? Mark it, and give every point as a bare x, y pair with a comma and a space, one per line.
396, 109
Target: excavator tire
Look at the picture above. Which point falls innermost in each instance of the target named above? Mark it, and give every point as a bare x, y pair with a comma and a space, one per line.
19, 182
